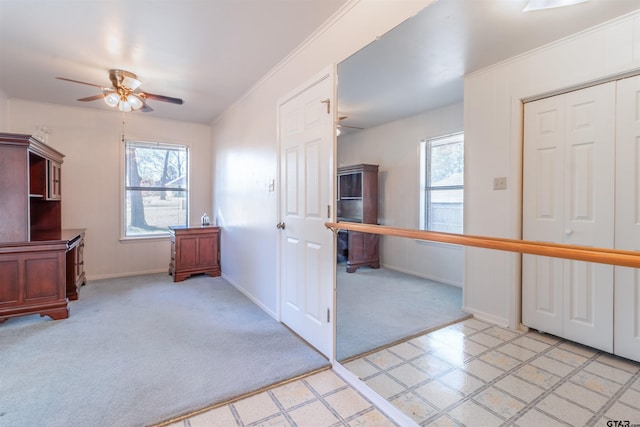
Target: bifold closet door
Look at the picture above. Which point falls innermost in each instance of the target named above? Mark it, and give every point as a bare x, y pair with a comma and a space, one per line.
627, 235
568, 197
543, 213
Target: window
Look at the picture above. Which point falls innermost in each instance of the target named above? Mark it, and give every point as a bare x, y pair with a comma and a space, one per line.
156, 191
442, 183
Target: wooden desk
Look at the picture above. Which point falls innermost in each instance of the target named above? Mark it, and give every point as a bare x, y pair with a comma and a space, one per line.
34, 275
194, 250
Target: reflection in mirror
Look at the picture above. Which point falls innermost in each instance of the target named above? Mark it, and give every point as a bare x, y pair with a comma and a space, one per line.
395, 97
380, 306
390, 288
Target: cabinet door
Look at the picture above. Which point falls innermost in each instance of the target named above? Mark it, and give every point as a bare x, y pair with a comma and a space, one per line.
208, 250
627, 234
187, 251
14, 187
568, 198
54, 180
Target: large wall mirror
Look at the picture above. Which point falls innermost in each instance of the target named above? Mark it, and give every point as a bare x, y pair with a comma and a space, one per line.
400, 161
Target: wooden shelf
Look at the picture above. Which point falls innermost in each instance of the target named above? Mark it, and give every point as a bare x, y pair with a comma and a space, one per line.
358, 202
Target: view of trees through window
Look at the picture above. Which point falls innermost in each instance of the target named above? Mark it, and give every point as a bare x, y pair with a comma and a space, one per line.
442, 184
156, 188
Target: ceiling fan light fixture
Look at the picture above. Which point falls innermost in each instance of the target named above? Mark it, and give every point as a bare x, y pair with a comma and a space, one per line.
124, 106
112, 99
131, 82
135, 102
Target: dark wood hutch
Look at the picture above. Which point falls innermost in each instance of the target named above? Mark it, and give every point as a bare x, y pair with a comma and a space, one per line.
41, 265
358, 202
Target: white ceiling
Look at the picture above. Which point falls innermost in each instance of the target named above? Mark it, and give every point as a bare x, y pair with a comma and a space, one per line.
210, 52
207, 52
420, 64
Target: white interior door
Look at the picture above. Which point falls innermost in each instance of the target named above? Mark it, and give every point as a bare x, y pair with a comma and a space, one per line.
569, 198
306, 246
627, 234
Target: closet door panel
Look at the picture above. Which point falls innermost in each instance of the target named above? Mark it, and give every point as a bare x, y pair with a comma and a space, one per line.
589, 212
590, 158
543, 174
543, 207
568, 197
627, 230
542, 306
588, 309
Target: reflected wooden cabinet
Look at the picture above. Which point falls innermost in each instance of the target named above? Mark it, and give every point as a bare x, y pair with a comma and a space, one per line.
358, 202
194, 250
54, 180
32, 279
41, 265
75, 262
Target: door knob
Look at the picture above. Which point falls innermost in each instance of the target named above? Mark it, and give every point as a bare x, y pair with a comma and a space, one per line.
280, 225
568, 231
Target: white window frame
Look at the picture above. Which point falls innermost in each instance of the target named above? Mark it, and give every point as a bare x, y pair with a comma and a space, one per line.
124, 187
425, 185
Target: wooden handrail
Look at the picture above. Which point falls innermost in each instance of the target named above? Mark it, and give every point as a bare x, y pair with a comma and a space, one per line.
556, 250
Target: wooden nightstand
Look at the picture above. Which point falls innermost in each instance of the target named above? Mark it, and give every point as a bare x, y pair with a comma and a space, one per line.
194, 250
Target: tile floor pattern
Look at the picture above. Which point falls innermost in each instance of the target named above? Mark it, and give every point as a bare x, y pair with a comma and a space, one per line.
477, 374
322, 399
469, 373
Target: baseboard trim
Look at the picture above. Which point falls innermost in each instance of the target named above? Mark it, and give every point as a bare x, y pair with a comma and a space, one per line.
490, 318
127, 274
424, 276
251, 297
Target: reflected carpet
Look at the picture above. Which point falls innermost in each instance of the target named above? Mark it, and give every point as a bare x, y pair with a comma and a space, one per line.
140, 350
378, 307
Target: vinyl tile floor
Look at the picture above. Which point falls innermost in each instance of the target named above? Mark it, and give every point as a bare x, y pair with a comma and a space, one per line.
319, 400
477, 374
470, 373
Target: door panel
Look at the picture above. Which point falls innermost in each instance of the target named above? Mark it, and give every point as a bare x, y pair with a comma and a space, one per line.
568, 197
289, 281
306, 246
542, 306
590, 160
543, 210
589, 218
589, 304
627, 230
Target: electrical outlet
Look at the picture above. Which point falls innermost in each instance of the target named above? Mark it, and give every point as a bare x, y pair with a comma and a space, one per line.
500, 183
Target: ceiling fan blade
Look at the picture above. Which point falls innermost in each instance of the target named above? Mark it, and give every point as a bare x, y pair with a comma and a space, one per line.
82, 83
92, 98
145, 108
163, 98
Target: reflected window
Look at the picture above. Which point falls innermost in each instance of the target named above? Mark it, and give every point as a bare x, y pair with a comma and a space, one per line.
156, 191
442, 183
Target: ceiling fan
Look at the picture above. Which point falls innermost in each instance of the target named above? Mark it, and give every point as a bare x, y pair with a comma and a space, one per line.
123, 93
340, 126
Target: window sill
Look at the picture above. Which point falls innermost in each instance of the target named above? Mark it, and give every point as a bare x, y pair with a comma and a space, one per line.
140, 239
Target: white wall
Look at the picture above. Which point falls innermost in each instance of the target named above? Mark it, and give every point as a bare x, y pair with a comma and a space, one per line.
394, 147
4, 112
245, 145
92, 178
493, 141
